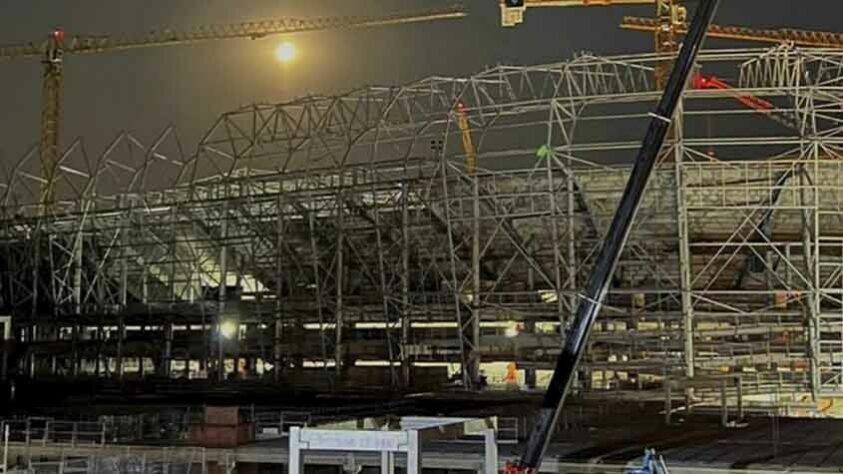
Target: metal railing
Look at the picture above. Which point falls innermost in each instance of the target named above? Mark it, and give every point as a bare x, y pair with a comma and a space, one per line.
276, 424
46, 431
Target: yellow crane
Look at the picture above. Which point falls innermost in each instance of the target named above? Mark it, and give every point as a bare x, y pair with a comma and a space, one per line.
58, 44
815, 39
670, 16
671, 21
467, 143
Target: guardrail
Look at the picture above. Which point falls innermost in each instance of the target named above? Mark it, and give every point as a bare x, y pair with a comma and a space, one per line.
49, 431
269, 425
37, 431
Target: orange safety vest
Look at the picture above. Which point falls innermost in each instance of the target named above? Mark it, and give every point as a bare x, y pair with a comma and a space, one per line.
511, 374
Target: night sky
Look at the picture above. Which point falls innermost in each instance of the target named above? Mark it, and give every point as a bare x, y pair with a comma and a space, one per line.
145, 90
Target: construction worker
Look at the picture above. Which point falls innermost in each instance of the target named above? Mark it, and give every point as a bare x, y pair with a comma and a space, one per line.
511, 376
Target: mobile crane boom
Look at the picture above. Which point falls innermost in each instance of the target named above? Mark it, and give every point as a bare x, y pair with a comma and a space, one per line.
613, 244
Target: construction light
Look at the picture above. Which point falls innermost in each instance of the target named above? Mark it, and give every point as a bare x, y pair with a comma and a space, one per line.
228, 329
286, 52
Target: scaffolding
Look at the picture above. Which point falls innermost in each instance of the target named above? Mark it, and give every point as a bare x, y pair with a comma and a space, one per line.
335, 235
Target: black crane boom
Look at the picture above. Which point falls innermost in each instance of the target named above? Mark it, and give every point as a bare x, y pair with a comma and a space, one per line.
598, 283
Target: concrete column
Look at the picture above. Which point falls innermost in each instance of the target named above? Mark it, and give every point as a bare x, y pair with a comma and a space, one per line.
296, 460
414, 461
387, 462
490, 459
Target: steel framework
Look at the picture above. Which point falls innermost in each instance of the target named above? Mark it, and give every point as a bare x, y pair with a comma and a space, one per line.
341, 232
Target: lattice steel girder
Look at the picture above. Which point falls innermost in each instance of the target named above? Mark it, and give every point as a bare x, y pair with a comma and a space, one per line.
147, 243
79, 44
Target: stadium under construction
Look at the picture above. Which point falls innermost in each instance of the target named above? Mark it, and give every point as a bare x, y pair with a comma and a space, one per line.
369, 243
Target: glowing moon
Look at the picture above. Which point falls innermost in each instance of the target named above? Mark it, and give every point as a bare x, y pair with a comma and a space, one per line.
286, 52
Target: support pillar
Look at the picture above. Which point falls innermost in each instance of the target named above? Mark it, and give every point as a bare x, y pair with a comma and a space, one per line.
569, 262
124, 289
476, 300
339, 331
121, 335
668, 400
385, 296
278, 337
490, 451
296, 459
530, 378
685, 277
167, 356
77, 304
223, 257
454, 283
808, 201
414, 455
317, 286
387, 462
5, 338
406, 322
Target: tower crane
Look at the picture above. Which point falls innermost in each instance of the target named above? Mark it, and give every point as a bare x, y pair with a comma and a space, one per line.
670, 15
814, 39
58, 44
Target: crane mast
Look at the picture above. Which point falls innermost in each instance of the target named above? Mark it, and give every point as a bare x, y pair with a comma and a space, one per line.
57, 45
51, 90
669, 15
